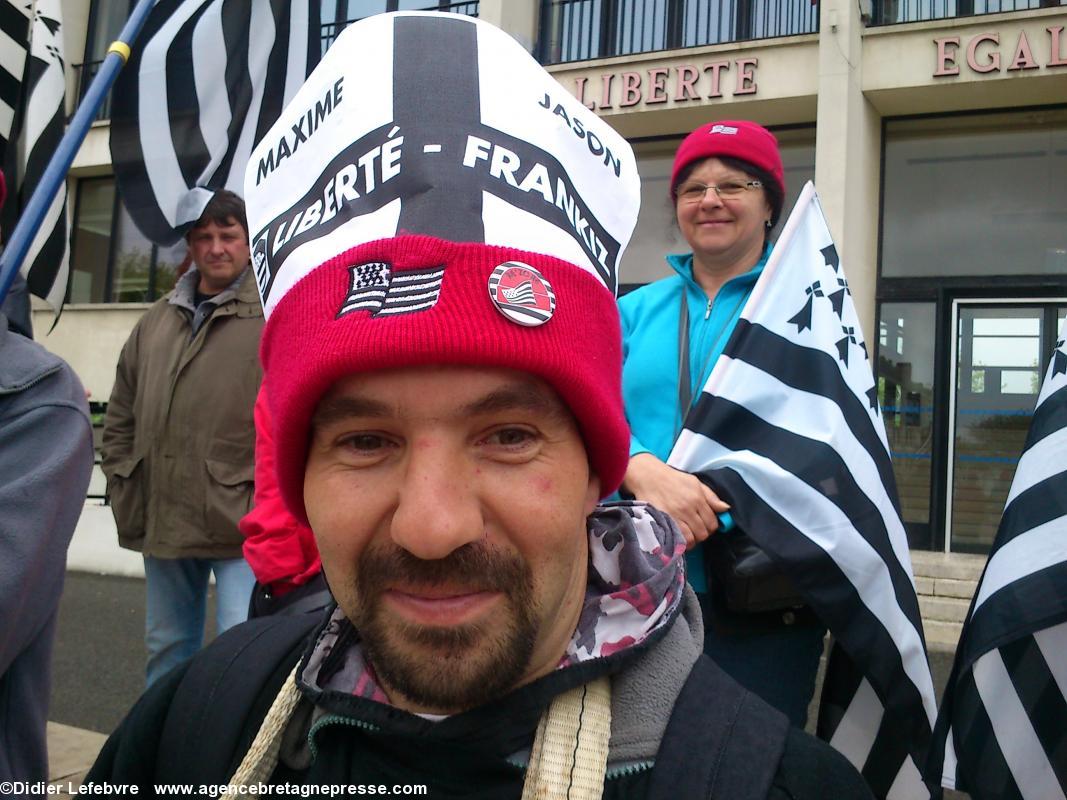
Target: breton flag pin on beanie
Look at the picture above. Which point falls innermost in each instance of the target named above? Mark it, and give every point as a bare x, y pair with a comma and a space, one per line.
433, 196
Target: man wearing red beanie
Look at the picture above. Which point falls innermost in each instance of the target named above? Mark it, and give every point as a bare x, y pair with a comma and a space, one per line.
442, 361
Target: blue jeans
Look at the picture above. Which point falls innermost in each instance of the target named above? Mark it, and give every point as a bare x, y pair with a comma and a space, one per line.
176, 605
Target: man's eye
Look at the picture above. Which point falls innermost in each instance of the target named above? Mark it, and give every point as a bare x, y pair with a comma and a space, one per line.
511, 437
365, 442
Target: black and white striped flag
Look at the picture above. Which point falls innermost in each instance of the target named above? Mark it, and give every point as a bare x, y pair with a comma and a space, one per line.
206, 80
32, 119
377, 290
1002, 729
14, 42
788, 431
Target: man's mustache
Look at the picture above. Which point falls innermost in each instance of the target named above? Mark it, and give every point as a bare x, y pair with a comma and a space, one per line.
475, 567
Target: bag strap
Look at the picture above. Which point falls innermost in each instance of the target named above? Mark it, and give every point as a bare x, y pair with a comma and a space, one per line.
722, 742
226, 691
570, 749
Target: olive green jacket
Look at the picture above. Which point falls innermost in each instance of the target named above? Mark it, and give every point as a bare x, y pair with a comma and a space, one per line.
179, 438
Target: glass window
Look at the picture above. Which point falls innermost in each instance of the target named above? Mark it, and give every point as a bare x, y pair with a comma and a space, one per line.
998, 376
106, 18
91, 240
171, 263
905, 360
641, 26
657, 234
132, 270
976, 196
110, 260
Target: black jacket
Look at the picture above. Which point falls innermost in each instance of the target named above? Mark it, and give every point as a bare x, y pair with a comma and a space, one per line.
344, 740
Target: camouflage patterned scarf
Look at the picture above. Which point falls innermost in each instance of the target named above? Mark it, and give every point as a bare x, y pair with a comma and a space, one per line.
636, 578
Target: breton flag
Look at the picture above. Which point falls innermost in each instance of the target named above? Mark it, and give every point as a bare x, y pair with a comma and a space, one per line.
206, 79
32, 119
14, 43
377, 290
788, 431
1002, 730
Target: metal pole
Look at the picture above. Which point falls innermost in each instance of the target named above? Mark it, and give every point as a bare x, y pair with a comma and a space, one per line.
56, 171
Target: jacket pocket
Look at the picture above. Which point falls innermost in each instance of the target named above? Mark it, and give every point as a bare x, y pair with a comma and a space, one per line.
228, 497
125, 491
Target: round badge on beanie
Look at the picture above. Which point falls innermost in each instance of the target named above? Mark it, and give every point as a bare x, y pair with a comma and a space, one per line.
522, 294
741, 139
472, 214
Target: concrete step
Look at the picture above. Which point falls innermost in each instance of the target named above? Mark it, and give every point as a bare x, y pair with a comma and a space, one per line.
954, 566
944, 634
943, 609
951, 587
945, 584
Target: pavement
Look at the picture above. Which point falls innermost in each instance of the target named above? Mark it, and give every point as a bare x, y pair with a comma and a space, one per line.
98, 670
71, 751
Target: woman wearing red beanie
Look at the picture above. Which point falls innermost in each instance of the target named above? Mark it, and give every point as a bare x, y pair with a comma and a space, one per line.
728, 189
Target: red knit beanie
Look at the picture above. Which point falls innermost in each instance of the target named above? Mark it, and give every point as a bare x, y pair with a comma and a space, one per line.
311, 341
473, 218
739, 139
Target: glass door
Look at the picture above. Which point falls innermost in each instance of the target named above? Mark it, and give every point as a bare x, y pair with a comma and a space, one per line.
999, 357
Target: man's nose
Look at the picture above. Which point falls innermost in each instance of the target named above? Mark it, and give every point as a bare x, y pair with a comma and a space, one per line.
438, 509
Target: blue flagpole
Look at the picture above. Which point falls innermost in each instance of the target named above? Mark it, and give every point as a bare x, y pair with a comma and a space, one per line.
56, 171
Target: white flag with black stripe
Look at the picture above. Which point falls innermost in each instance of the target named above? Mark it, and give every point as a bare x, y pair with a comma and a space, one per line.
788, 431
32, 120
206, 80
14, 42
1002, 729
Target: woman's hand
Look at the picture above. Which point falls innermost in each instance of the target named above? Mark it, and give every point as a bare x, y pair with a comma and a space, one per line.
692, 504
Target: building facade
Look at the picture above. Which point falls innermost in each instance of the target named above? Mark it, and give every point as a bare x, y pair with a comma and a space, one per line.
934, 130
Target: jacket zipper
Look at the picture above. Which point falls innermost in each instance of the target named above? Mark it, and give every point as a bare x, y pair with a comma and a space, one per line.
331, 719
627, 769
6, 390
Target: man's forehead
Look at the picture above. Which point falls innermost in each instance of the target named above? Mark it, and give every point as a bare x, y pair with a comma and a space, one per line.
230, 222
456, 391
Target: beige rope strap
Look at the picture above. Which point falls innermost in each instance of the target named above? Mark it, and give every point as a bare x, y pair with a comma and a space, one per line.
262, 757
570, 751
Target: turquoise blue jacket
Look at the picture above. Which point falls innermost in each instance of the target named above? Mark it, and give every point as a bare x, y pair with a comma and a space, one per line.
650, 359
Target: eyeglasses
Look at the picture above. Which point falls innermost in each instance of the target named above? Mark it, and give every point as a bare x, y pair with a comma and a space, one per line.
693, 192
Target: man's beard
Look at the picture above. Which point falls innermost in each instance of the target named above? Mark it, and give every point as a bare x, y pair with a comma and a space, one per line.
447, 668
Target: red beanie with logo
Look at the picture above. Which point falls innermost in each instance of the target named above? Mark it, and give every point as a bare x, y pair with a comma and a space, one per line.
739, 139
